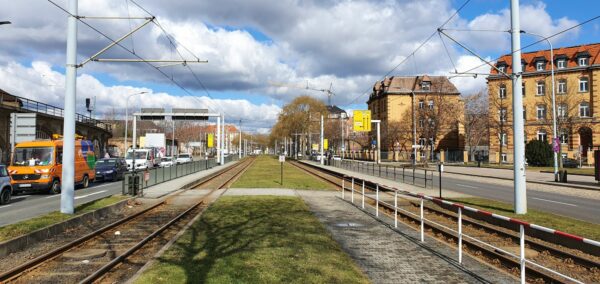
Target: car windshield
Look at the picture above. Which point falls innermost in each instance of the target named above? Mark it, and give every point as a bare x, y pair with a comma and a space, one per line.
184, 156
138, 155
33, 156
102, 163
165, 159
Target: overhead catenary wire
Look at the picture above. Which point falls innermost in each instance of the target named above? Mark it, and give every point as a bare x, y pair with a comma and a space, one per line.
414, 51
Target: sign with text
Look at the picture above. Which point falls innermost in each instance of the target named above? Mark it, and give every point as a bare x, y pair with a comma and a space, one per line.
325, 144
362, 121
210, 140
281, 158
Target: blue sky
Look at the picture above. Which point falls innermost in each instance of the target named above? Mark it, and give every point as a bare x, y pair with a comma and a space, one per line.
252, 44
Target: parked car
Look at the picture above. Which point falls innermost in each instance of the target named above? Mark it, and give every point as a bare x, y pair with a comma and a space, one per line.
110, 169
184, 158
5, 186
570, 163
166, 162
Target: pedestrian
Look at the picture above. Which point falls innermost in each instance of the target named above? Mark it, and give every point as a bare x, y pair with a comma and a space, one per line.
106, 155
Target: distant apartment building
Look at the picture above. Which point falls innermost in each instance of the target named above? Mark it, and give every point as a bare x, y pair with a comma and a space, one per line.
577, 71
420, 110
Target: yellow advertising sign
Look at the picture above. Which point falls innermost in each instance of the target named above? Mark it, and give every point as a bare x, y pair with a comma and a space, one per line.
362, 121
325, 144
210, 142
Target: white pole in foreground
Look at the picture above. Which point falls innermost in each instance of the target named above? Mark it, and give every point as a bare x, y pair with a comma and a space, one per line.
518, 142
322, 158
67, 198
218, 139
240, 142
223, 140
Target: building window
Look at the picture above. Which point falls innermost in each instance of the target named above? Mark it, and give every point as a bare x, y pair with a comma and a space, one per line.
564, 137
422, 141
426, 86
562, 86
502, 91
540, 65
421, 123
584, 85
502, 68
524, 114
561, 64
562, 111
503, 139
541, 88
523, 67
430, 104
541, 135
584, 110
523, 89
504, 158
583, 61
541, 112
421, 104
502, 113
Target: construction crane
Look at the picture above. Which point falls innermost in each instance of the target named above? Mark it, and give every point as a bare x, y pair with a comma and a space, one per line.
307, 87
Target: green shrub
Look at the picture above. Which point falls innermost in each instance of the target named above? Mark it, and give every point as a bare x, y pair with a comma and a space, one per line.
538, 153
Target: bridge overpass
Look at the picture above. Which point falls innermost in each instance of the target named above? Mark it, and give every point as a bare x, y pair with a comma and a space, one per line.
49, 121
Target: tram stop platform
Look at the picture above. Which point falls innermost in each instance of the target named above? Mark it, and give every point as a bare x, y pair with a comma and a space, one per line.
387, 255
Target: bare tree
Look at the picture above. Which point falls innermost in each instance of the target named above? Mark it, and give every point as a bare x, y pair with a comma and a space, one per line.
476, 120
498, 114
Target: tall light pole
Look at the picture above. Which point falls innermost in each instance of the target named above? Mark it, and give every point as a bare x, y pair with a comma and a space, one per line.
520, 186
127, 116
555, 135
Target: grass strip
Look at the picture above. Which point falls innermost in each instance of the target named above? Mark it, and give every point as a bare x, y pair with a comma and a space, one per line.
266, 173
578, 171
24, 227
565, 224
256, 239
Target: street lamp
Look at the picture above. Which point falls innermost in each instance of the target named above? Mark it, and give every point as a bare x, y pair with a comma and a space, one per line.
127, 116
555, 134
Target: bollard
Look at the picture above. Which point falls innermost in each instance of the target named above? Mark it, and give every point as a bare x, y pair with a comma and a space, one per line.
396, 209
377, 201
352, 195
343, 189
425, 178
522, 251
394, 173
413, 175
422, 223
363, 194
459, 235
403, 168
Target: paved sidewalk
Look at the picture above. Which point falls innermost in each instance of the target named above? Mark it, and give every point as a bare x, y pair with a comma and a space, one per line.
162, 189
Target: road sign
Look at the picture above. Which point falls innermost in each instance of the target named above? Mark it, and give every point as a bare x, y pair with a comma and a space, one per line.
325, 144
22, 127
555, 145
374, 142
281, 158
362, 121
210, 143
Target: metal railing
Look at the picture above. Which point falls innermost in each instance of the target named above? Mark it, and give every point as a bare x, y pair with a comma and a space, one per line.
458, 231
154, 176
20, 103
406, 174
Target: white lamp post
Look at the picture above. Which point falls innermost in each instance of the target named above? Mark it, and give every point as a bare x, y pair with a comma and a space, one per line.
127, 116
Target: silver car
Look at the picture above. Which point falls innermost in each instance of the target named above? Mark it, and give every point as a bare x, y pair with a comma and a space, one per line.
5, 186
184, 158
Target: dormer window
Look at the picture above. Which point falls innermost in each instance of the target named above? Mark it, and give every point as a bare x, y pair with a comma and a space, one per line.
426, 86
561, 64
540, 66
502, 68
583, 61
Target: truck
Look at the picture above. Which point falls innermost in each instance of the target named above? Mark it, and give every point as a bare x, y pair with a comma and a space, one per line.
144, 159
156, 142
37, 165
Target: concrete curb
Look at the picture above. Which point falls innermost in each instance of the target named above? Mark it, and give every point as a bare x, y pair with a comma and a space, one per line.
529, 181
18, 243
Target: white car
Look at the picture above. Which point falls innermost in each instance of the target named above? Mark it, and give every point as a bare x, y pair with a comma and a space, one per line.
184, 158
5, 186
166, 162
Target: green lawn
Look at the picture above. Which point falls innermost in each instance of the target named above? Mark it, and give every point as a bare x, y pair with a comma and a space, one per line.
579, 171
266, 173
565, 224
18, 229
260, 239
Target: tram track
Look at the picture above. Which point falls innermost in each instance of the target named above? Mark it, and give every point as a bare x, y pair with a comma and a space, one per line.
113, 253
573, 263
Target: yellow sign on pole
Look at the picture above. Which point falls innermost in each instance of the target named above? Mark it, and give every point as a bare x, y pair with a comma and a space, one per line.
325, 144
362, 121
210, 142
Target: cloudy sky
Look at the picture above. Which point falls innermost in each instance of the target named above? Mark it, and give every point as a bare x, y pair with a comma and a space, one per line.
253, 47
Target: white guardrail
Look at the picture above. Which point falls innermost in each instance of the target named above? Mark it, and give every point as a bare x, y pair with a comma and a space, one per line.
460, 207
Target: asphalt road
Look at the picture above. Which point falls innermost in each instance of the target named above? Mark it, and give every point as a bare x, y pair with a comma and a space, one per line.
561, 204
27, 206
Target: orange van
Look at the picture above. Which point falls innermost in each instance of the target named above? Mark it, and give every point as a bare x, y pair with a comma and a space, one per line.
37, 165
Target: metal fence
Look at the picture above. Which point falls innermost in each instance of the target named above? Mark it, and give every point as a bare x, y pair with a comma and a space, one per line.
406, 174
458, 231
150, 177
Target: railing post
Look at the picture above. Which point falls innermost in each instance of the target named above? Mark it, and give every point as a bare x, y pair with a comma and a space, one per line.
413, 175
377, 201
422, 223
363, 194
403, 168
459, 235
352, 195
396, 209
394, 173
425, 178
343, 188
522, 251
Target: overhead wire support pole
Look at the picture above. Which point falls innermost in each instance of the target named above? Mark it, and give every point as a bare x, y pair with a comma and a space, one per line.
520, 194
